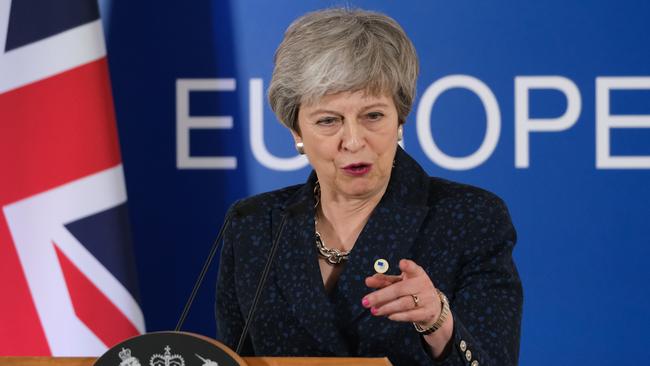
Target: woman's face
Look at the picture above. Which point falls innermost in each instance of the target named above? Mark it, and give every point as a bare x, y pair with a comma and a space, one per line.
350, 139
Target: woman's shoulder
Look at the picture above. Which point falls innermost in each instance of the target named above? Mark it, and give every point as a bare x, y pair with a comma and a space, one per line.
439, 191
264, 202
447, 193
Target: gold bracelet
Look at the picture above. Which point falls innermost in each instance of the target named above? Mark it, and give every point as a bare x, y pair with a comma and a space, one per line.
444, 313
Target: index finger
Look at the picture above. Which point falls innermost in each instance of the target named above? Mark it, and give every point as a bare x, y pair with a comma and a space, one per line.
385, 277
379, 280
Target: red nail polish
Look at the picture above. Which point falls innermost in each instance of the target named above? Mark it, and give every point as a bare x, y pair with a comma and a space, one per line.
373, 311
365, 302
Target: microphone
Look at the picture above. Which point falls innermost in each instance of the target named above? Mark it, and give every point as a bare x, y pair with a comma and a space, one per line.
206, 265
260, 285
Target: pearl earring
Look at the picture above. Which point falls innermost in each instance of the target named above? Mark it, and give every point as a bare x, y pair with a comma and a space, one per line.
300, 147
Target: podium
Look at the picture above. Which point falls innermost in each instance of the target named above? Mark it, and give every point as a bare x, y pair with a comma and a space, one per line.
250, 361
211, 349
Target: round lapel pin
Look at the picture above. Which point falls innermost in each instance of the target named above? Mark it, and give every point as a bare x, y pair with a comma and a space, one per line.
381, 266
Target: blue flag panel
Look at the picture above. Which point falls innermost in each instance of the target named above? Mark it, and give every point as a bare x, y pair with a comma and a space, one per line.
33, 20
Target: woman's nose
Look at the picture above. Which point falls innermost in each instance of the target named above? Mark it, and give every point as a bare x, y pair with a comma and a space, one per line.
353, 139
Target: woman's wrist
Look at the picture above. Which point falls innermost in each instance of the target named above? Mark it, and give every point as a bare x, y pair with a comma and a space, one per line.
439, 340
439, 332
440, 319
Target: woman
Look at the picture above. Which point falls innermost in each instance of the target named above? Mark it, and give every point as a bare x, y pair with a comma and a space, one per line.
343, 83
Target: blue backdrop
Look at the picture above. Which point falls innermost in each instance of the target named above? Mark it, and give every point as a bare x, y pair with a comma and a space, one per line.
543, 80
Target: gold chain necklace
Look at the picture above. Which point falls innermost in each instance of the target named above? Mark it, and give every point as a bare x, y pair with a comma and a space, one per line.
333, 256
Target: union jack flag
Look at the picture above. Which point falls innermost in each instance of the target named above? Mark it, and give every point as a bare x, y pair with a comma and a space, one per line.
67, 276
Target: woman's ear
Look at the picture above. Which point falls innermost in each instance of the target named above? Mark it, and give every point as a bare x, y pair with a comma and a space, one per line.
300, 148
296, 136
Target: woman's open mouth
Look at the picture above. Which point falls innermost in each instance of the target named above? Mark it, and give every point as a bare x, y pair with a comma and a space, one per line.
357, 169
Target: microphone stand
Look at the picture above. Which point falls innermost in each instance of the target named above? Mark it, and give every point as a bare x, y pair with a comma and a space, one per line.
260, 285
199, 280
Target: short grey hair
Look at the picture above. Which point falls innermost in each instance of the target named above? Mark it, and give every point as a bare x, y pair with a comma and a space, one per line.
337, 50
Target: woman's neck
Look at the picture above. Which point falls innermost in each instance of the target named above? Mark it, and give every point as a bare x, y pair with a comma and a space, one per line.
341, 218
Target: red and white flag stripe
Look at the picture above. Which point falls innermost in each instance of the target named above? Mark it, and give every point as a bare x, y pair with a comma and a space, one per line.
59, 163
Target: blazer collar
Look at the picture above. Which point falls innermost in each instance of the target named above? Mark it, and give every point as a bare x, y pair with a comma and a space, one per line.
388, 234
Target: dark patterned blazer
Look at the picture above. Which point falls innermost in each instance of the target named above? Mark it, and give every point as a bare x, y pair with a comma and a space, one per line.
461, 235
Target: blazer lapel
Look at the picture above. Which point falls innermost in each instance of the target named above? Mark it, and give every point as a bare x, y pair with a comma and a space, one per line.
389, 233
297, 274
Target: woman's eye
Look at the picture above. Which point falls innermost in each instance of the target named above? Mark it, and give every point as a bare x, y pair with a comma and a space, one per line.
374, 116
327, 121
